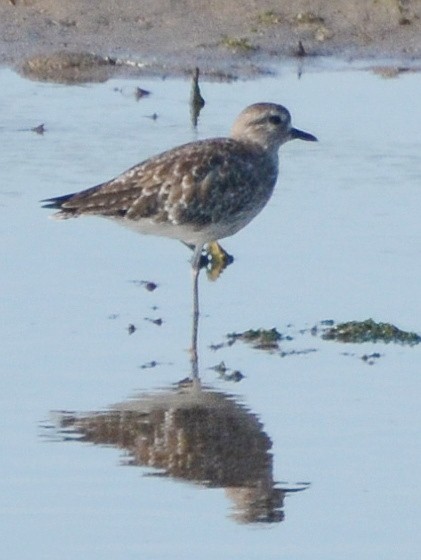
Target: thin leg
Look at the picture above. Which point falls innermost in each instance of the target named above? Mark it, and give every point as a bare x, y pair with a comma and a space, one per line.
195, 270
197, 257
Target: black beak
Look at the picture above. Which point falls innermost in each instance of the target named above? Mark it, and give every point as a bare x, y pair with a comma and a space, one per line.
300, 134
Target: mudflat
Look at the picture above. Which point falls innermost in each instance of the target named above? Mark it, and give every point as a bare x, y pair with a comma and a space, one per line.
238, 37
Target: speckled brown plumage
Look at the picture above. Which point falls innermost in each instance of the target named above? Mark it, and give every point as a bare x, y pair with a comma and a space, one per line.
199, 192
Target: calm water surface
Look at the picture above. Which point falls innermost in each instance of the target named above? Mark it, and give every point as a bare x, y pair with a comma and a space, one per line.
315, 453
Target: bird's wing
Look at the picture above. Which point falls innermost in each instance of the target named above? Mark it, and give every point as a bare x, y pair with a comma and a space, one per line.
173, 186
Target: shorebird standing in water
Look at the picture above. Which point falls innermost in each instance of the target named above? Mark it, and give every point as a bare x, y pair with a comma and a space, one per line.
199, 192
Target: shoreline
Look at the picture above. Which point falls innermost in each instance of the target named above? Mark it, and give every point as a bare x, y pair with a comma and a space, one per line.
55, 40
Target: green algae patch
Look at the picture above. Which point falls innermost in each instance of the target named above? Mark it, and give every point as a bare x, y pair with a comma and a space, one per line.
370, 331
265, 339
238, 44
270, 18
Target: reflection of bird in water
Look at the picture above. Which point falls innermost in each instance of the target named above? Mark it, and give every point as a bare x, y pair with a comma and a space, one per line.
196, 435
199, 192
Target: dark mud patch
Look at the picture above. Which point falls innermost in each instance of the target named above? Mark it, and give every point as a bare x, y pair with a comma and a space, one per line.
74, 67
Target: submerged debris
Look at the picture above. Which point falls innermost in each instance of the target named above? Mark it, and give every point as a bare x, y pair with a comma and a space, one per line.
139, 93
370, 359
300, 51
40, 129
149, 365
196, 100
157, 322
226, 374
265, 339
358, 332
370, 331
285, 354
147, 284
234, 376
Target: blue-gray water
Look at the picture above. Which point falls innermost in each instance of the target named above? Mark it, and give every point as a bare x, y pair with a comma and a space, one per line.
339, 240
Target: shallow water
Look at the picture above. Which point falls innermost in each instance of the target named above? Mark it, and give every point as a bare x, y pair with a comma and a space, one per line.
332, 441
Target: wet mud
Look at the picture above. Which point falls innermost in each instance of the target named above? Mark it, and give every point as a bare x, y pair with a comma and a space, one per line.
70, 41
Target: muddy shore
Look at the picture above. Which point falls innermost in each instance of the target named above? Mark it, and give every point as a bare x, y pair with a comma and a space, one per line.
237, 38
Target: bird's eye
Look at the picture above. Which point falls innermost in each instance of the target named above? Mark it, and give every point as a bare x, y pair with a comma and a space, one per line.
275, 119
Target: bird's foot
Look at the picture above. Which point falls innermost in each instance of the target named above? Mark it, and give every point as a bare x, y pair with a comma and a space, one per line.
215, 260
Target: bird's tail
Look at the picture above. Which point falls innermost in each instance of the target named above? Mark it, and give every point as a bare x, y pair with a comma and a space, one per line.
57, 203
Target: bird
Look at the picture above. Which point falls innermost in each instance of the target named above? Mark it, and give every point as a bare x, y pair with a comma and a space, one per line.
199, 192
